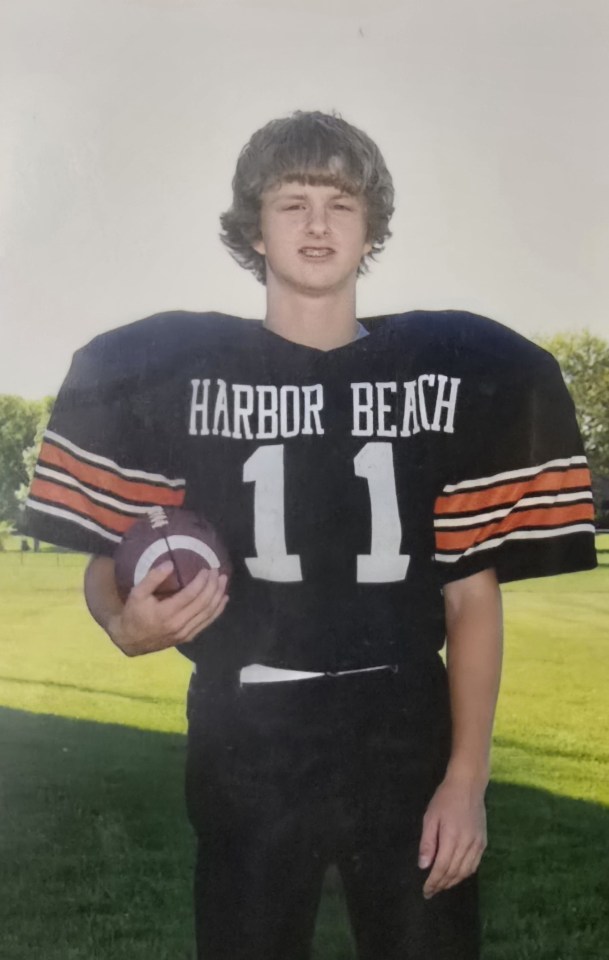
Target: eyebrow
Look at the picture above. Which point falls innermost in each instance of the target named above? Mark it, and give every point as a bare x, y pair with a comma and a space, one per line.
303, 196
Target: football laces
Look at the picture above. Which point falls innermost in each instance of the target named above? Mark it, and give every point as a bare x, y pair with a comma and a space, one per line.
158, 518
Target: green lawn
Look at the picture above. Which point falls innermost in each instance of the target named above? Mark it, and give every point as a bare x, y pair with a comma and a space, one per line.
95, 850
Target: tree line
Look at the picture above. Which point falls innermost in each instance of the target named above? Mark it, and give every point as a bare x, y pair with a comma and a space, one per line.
22, 424
584, 360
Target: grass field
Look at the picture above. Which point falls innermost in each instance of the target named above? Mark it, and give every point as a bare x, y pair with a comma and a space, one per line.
95, 850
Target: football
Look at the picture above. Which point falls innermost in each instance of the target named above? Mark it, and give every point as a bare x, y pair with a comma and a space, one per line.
168, 533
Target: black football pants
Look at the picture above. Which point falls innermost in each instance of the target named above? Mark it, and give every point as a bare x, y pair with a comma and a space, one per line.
284, 779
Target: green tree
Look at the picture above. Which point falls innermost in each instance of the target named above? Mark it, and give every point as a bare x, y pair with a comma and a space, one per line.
29, 455
18, 421
6, 534
584, 360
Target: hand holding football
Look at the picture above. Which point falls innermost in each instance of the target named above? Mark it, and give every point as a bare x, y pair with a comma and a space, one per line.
185, 538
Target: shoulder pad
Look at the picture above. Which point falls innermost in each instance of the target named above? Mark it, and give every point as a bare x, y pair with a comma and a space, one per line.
150, 346
470, 337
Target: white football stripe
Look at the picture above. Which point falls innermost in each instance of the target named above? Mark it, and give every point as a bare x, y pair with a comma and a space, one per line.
515, 474
73, 517
67, 480
176, 542
518, 535
106, 462
530, 501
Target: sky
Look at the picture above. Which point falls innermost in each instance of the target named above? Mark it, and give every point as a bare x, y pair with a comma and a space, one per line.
121, 122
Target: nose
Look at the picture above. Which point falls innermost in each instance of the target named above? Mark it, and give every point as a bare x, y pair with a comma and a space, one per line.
317, 221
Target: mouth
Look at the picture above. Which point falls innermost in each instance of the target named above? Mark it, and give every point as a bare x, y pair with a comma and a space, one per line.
316, 253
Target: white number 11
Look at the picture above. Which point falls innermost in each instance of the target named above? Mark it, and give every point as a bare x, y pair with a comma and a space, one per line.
374, 462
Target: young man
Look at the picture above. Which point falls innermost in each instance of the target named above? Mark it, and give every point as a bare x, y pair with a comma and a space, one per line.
373, 482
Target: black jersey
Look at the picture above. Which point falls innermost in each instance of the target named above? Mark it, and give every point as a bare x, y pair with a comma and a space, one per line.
349, 485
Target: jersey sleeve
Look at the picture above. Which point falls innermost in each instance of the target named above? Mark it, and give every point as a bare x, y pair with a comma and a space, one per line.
104, 460
522, 501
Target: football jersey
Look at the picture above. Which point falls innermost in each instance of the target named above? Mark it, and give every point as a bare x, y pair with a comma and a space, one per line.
349, 485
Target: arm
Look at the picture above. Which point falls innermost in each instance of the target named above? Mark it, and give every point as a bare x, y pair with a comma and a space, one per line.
474, 644
145, 624
454, 826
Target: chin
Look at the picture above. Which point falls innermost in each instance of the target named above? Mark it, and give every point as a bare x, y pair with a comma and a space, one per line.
319, 287
319, 279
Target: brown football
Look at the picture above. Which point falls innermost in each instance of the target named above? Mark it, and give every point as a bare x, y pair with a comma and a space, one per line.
168, 533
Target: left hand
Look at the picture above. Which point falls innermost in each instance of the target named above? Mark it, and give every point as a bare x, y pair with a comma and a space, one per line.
454, 834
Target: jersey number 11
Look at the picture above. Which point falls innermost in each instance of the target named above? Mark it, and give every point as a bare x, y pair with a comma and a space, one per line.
374, 463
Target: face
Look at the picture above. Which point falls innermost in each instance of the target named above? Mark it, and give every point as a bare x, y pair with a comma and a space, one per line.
313, 236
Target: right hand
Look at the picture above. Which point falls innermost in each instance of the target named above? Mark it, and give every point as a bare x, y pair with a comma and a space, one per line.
146, 624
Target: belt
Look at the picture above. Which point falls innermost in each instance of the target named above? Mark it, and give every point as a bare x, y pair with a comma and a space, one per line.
260, 673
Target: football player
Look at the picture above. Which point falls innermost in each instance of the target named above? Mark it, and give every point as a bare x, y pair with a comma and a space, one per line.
374, 481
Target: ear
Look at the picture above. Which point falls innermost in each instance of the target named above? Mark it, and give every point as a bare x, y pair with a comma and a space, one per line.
367, 248
259, 247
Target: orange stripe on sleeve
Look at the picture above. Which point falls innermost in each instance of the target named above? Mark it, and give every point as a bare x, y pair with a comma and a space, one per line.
510, 493
552, 517
134, 490
74, 500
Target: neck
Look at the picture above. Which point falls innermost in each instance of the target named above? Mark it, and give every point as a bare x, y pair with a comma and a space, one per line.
324, 322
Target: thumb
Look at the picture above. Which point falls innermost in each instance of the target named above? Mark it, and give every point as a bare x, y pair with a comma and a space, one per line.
429, 843
153, 579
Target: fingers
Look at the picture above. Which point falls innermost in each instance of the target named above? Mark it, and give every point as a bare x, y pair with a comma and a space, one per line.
204, 605
186, 619
446, 850
195, 596
152, 581
455, 861
149, 623
471, 861
446, 872
429, 841
454, 830
195, 626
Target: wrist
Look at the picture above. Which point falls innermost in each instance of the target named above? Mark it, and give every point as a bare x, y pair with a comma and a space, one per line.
468, 774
